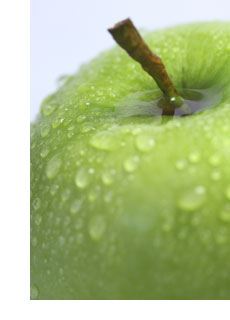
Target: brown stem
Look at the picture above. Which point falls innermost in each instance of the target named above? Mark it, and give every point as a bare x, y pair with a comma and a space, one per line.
127, 36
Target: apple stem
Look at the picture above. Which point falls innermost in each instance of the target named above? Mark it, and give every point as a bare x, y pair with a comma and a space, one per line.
128, 37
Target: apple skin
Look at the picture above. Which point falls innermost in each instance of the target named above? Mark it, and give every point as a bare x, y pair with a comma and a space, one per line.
136, 207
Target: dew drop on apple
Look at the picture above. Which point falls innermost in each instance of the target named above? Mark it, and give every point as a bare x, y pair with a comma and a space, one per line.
61, 240
81, 118
194, 157
86, 127
65, 195
131, 164
79, 224
44, 152
79, 238
61, 271
107, 177
48, 109
82, 178
70, 134
221, 236
136, 131
225, 214
57, 122
34, 241
53, 167
36, 203
34, 292
75, 206
227, 192
97, 227
145, 143
38, 219
84, 87
181, 164
66, 221
105, 141
33, 145
192, 199
166, 227
53, 189
32, 131
108, 197
91, 171
45, 130
215, 175
182, 234
93, 194
214, 160
71, 127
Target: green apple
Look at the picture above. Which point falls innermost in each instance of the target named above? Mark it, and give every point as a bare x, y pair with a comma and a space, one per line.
126, 204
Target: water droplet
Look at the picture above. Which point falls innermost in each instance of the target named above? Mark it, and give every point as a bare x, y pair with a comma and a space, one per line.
214, 160
34, 242
181, 164
61, 271
81, 118
86, 127
66, 221
38, 219
45, 130
225, 214
194, 157
36, 203
82, 153
34, 292
93, 195
65, 195
85, 87
70, 134
82, 178
105, 141
71, 127
75, 206
48, 109
166, 227
227, 192
53, 189
79, 238
136, 131
182, 234
32, 131
107, 177
91, 171
131, 164
97, 227
79, 224
145, 143
33, 145
193, 199
44, 152
221, 237
215, 175
108, 197
57, 121
195, 221
61, 240
53, 167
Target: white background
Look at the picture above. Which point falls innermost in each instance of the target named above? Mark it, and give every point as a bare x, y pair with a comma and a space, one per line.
65, 33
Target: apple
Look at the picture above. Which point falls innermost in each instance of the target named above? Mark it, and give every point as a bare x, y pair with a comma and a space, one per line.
126, 202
